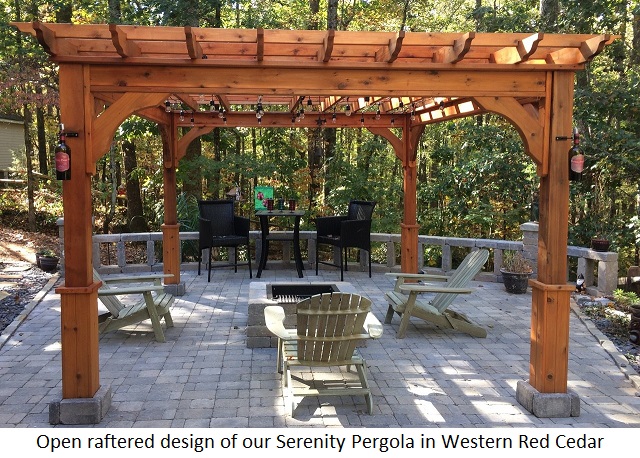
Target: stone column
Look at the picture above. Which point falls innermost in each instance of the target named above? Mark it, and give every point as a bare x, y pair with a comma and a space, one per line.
530, 244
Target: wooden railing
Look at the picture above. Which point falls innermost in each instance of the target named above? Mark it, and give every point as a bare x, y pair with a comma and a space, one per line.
600, 269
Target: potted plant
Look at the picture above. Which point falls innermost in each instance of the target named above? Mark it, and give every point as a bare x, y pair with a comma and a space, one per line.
47, 260
515, 270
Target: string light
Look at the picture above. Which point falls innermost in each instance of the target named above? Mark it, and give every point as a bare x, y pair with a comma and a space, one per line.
259, 109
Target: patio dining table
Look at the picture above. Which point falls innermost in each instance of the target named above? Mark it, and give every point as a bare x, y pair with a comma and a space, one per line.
265, 217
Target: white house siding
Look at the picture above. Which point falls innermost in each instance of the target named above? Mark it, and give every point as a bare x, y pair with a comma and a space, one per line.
11, 142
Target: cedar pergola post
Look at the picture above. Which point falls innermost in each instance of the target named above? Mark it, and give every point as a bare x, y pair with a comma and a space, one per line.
171, 227
79, 296
549, 357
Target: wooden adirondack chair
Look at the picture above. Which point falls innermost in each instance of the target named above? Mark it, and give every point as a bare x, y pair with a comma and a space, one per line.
328, 328
154, 305
404, 297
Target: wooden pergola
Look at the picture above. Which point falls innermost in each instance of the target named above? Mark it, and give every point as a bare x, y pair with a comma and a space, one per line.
193, 80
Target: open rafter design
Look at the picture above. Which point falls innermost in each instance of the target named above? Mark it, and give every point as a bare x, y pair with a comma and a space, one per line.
269, 78
217, 49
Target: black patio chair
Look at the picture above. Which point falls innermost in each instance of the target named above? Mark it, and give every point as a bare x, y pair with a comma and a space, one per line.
221, 228
352, 230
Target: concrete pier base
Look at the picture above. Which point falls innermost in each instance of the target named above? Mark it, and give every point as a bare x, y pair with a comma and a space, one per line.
547, 405
81, 411
176, 289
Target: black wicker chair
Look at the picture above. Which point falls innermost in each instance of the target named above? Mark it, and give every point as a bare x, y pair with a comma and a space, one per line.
349, 231
220, 227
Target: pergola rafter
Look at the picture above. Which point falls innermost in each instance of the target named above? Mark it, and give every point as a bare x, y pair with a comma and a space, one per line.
109, 72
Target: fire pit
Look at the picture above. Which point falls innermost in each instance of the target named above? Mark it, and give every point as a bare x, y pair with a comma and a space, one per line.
287, 295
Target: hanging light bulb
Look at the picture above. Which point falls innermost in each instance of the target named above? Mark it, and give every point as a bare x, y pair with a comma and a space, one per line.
192, 120
301, 113
347, 110
333, 117
167, 106
309, 102
442, 107
181, 115
224, 119
362, 120
259, 109
260, 120
221, 113
212, 105
378, 112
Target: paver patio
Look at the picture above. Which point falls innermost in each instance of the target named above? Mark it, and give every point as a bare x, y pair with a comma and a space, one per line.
205, 376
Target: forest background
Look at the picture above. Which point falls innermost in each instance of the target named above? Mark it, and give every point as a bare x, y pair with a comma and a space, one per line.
474, 179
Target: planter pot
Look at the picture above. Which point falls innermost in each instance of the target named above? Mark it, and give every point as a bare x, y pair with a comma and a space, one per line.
48, 263
515, 282
600, 244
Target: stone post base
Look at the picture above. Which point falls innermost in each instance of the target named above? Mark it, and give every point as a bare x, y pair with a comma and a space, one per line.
81, 411
175, 289
547, 405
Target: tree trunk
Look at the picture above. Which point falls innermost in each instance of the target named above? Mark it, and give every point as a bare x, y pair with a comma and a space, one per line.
64, 11
549, 11
115, 12
635, 49
29, 155
332, 14
135, 211
42, 138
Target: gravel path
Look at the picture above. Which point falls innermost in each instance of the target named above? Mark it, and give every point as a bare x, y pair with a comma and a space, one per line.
20, 282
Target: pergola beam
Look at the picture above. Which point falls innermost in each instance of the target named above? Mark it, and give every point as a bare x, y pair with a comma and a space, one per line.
390, 52
194, 49
454, 54
324, 55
